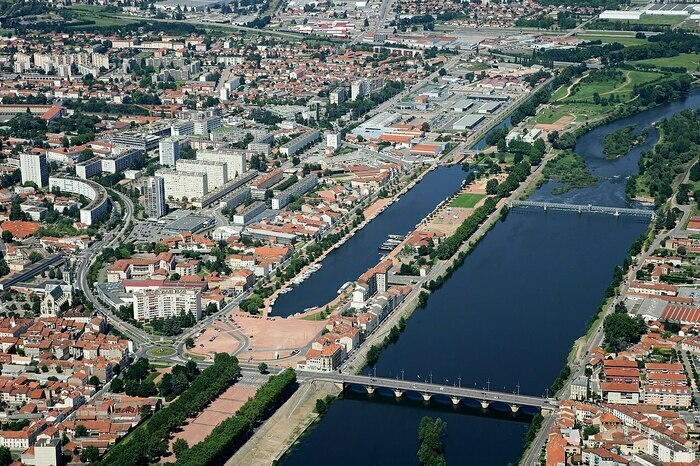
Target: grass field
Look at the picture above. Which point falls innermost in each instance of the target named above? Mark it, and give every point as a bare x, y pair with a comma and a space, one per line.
550, 116
160, 352
467, 200
96, 14
586, 90
691, 61
610, 38
660, 20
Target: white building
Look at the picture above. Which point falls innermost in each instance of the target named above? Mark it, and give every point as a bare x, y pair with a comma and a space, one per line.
621, 14
99, 200
169, 149
154, 196
333, 140
166, 303
180, 184
34, 168
235, 160
217, 174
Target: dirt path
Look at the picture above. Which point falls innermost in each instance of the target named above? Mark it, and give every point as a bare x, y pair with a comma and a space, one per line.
568, 89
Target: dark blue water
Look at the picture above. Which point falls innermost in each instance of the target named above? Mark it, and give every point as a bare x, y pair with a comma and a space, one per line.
361, 251
507, 317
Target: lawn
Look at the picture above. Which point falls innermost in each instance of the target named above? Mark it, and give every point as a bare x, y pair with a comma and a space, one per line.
660, 20
97, 15
625, 40
552, 115
687, 60
195, 357
586, 90
160, 352
467, 200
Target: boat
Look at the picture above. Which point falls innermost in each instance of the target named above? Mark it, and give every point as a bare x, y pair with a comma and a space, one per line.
345, 286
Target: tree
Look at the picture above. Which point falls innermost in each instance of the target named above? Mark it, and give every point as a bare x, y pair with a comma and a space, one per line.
179, 447
35, 257
7, 236
94, 381
189, 342
117, 386
81, 431
492, 186
262, 367
622, 330
5, 456
89, 454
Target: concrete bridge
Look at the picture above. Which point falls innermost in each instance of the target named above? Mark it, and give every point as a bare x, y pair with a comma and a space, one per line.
428, 390
616, 211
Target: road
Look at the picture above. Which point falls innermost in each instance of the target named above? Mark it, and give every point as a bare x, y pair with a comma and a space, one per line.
488, 396
88, 258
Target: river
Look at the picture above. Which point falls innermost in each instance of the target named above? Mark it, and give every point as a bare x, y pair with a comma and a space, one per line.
506, 318
361, 251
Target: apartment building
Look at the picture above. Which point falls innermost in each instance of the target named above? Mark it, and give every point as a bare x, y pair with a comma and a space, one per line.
181, 184
165, 303
216, 172
34, 168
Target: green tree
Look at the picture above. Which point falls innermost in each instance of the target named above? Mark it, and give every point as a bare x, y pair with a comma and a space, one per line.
180, 446
262, 367
117, 386
189, 342
7, 236
5, 456
89, 454
81, 431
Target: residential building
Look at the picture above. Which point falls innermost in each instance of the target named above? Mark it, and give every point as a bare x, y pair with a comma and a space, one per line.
153, 191
169, 149
165, 303
216, 172
34, 168
180, 184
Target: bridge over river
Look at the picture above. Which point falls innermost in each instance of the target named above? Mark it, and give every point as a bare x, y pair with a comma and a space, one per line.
616, 211
428, 390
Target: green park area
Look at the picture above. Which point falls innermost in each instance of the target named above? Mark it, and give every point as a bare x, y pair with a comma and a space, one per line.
691, 61
609, 38
95, 15
612, 82
467, 200
659, 20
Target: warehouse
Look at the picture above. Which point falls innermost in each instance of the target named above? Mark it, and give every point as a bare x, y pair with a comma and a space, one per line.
467, 122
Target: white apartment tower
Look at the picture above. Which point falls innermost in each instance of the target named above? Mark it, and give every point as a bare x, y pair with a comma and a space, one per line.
169, 149
154, 197
34, 168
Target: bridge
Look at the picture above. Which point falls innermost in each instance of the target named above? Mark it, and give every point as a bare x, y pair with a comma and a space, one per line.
616, 211
428, 390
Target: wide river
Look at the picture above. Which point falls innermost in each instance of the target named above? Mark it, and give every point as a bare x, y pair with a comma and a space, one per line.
506, 318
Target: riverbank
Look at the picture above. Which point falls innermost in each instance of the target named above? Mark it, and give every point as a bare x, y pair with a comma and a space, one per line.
282, 429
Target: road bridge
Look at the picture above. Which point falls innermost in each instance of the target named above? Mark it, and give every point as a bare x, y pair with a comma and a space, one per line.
428, 390
616, 211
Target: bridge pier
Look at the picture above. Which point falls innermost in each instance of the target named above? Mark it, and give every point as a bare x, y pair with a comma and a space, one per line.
398, 393
455, 400
514, 408
426, 396
485, 404
370, 389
